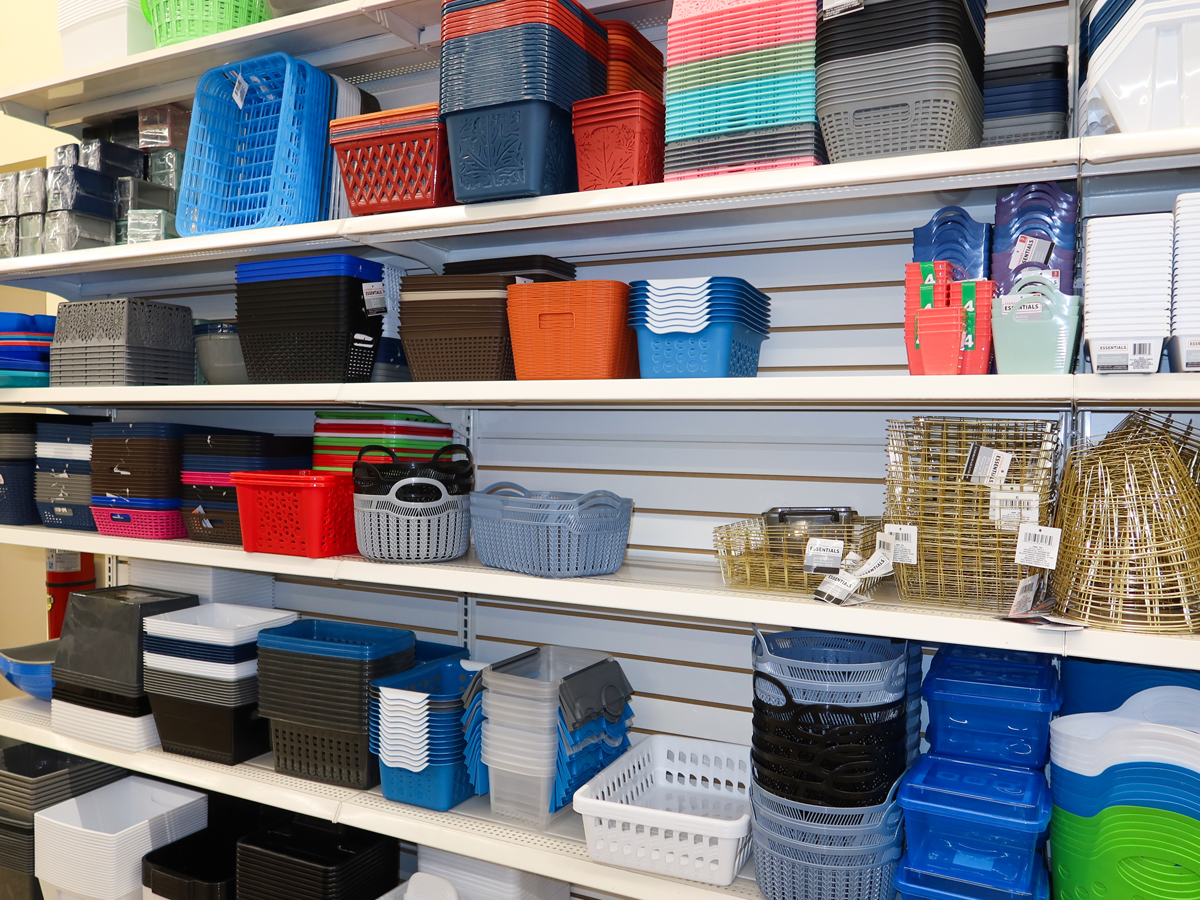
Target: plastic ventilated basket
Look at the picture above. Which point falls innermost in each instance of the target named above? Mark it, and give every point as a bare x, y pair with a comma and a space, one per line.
712, 778
296, 513
262, 164
439, 787
394, 167
553, 535
152, 524
785, 872
721, 350
927, 122
391, 530
17, 505
828, 668
318, 754
75, 517
182, 20
213, 526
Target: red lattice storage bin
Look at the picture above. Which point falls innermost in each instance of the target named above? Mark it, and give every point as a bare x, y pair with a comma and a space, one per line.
297, 513
394, 160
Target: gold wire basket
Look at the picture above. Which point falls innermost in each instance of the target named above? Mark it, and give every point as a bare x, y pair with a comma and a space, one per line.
1128, 508
766, 557
967, 531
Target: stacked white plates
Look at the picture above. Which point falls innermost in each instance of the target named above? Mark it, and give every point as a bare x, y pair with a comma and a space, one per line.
110, 729
92, 846
1128, 263
210, 585
216, 623
477, 880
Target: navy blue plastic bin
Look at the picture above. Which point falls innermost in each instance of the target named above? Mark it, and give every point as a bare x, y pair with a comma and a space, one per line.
229, 654
71, 516
344, 640
17, 506
1090, 686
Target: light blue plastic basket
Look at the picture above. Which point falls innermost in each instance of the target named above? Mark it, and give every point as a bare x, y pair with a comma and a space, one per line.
262, 164
722, 350
742, 105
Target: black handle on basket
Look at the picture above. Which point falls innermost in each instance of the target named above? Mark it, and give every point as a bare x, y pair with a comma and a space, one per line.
380, 449
453, 466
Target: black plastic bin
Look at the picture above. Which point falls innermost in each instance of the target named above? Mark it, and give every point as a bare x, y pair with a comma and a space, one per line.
224, 734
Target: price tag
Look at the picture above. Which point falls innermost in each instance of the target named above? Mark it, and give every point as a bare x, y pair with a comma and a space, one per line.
63, 560
823, 557
837, 588
374, 299
199, 510
1029, 249
240, 89
986, 465
1026, 594
831, 9
879, 565
1190, 348
885, 543
1124, 356
904, 538
1037, 545
1008, 509
63, 511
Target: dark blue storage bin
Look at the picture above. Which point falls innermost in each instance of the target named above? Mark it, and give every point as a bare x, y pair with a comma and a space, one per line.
71, 516
344, 640
1090, 686
17, 506
991, 710
522, 149
916, 885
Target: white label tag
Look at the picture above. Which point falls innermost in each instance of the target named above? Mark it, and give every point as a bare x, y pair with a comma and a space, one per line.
1037, 546
852, 561
1029, 312
63, 560
823, 557
240, 89
374, 299
831, 9
1029, 249
986, 465
1191, 355
837, 588
879, 565
1026, 593
65, 511
1008, 509
1124, 356
904, 549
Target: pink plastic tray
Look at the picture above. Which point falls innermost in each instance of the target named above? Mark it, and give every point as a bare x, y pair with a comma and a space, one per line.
788, 163
756, 27
152, 524
686, 9
220, 479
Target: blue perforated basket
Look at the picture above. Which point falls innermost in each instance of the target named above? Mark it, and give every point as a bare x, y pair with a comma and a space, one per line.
722, 350
17, 505
74, 517
262, 164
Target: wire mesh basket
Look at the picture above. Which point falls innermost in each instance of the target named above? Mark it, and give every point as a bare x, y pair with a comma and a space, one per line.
967, 529
767, 557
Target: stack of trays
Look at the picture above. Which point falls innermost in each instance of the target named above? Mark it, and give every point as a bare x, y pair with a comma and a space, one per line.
954, 237
313, 678
455, 327
136, 491
740, 88
339, 438
699, 328
509, 77
128, 342
1035, 233
535, 268
900, 77
63, 478
210, 585
92, 846
201, 674
210, 511
478, 880
81, 209
304, 320
1185, 287
98, 685
25, 350
416, 731
634, 64
1025, 96
1127, 271
30, 668
17, 440
314, 859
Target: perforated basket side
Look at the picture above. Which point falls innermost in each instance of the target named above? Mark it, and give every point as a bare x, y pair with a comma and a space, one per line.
182, 20
318, 754
551, 551
922, 122
465, 357
122, 323
307, 357
422, 532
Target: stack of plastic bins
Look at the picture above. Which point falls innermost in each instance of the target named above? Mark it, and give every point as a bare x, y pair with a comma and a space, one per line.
740, 88
81, 209
63, 477
210, 585
210, 510
951, 235
926, 286
175, 20
1025, 96
1126, 786
17, 450
634, 64
534, 268
128, 342
555, 717
508, 82
571, 329
478, 880
30, 668
92, 846
548, 533
394, 160
414, 511
9, 228
1039, 220
618, 140
136, 488
324, 525
99, 690
313, 684
339, 438
25, 348
1093, 686
831, 739
201, 675
279, 179
974, 298
304, 319
311, 858
416, 731
31, 206
455, 327
699, 328
900, 77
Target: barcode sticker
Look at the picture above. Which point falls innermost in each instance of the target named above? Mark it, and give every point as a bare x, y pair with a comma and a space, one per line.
986, 465
1037, 545
822, 556
1030, 249
240, 89
64, 511
837, 588
904, 538
1125, 356
63, 560
1008, 509
1026, 594
374, 300
885, 543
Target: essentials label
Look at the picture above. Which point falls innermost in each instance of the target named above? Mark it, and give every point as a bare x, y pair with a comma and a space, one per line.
823, 556
837, 588
1125, 356
374, 299
831, 10
1029, 312
987, 465
1029, 249
1191, 355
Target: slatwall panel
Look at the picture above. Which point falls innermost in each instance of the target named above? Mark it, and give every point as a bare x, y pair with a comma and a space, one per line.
434, 617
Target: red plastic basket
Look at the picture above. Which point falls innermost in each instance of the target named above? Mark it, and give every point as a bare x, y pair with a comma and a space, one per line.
618, 141
297, 513
151, 524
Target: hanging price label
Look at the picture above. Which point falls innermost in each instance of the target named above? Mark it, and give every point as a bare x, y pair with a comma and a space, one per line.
374, 299
1037, 546
63, 561
837, 588
904, 543
822, 556
240, 89
986, 465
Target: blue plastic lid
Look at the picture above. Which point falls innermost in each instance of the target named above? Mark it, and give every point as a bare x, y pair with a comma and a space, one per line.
992, 654
134, 503
914, 884
310, 267
345, 640
1006, 797
1000, 683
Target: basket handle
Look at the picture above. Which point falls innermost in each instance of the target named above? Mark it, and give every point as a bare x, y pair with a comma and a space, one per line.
146, 12
380, 449
508, 487
399, 484
758, 646
453, 465
599, 498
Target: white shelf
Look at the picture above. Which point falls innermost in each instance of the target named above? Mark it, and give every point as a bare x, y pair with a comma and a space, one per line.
474, 834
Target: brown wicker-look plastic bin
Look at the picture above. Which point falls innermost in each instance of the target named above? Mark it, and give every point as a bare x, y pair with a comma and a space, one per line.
455, 328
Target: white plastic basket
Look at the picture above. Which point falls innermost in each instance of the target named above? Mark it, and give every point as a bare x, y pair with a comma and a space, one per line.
392, 530
623, 826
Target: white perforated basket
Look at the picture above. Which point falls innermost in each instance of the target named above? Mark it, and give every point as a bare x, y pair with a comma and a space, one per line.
391, 530
625, 826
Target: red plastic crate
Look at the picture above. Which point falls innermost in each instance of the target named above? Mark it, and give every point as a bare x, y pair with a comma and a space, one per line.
619, 140
297, 513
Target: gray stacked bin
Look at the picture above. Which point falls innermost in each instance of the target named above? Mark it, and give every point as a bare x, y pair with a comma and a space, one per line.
125, 342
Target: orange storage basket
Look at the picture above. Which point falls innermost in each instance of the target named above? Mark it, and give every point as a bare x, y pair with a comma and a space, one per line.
571, 329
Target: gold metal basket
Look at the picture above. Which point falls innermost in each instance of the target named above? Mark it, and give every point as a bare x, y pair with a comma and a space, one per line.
966, 531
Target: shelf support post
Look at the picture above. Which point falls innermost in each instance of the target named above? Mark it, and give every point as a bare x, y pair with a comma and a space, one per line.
391, 21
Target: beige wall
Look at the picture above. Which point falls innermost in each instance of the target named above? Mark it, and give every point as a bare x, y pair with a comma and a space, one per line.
29, 50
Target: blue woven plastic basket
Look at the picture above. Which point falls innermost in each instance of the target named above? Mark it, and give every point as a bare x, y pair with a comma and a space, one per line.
73, 517
262, 164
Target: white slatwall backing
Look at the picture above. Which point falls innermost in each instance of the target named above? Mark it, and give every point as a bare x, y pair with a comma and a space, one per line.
434, 617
